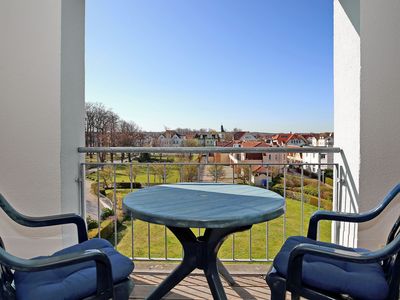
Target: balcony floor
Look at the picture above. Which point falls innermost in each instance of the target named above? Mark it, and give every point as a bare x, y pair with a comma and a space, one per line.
249, 278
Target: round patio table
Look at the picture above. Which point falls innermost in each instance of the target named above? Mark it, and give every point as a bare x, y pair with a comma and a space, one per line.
221, 209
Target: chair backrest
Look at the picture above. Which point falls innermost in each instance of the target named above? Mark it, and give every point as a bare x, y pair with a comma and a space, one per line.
7, 292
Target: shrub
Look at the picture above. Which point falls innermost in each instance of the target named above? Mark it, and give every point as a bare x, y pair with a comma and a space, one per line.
91, 223
106, 230
106, 212
329, 181
125, 185
144, 157
95, 189
329, 173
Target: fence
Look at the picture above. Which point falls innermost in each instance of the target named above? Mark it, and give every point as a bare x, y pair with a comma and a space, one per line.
105, 182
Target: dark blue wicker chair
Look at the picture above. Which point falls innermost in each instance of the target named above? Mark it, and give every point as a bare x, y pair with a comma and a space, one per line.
91, 269
316, 270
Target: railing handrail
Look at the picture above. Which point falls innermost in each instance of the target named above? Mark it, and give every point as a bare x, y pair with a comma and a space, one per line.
203, 150
240, 163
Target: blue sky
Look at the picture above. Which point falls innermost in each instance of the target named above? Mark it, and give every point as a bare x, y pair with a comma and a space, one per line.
259, 65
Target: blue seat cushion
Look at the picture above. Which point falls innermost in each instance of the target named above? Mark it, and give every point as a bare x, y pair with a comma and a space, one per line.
71, 282
360, 281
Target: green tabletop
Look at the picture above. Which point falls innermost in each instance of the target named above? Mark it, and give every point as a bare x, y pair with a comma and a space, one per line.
204, 205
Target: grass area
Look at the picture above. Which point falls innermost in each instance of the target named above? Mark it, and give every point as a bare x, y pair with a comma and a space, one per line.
122, 173
242, 250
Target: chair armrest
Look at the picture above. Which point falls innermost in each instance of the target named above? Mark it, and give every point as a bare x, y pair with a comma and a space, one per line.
350, 217
334, 216
103, 266
45, 220
295, 264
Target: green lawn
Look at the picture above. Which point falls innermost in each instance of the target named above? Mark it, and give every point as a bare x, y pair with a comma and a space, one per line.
123, 174
242, 251
275, 236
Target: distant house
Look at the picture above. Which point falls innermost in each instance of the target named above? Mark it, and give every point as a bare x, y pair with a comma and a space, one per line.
326, 139
243, 136
320, 140
289, 139
258, 161
148, 140
207, 139
266, 137
170, 138
265, 158
311, 138
226, 158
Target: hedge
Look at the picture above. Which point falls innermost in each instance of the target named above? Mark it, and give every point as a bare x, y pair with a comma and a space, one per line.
106, 230
325, 204
119, 185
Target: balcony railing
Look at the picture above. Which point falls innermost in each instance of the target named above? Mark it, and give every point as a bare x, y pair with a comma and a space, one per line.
105, 182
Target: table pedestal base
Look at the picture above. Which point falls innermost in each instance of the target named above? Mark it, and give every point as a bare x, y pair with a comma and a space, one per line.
201, 253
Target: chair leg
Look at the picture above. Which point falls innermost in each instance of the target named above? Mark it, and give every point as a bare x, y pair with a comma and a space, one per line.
277, 293
277, 286
123, 290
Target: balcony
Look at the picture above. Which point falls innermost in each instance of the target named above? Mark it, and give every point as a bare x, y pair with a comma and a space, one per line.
42, 125
248, 254
250, 284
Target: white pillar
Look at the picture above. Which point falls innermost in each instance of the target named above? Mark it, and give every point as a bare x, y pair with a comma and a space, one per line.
367, 109
41, 116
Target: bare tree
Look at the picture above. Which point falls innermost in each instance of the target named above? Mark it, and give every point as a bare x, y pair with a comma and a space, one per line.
112, 129
130, 135
107, 176
217, 172
104, 128
161, 172
189, 173
243, 173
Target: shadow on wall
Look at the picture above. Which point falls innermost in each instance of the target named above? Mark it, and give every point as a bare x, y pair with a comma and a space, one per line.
349, 195
352, 9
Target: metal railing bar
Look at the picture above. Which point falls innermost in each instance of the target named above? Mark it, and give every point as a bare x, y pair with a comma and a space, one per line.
98, 199
148, 175
217, 164
174, 259
319, 191
206, 150
165, 242
148, 241
130, 177
133, 236
284, 196
115, 207
302, 202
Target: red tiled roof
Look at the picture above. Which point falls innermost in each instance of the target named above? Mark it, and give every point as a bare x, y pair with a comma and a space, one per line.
170, 133
252, 144
238, 135
259, 169
284, 138
224, 143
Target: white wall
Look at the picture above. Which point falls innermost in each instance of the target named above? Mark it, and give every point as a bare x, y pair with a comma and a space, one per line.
42, 98
72, 104
367, 105
380, 113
